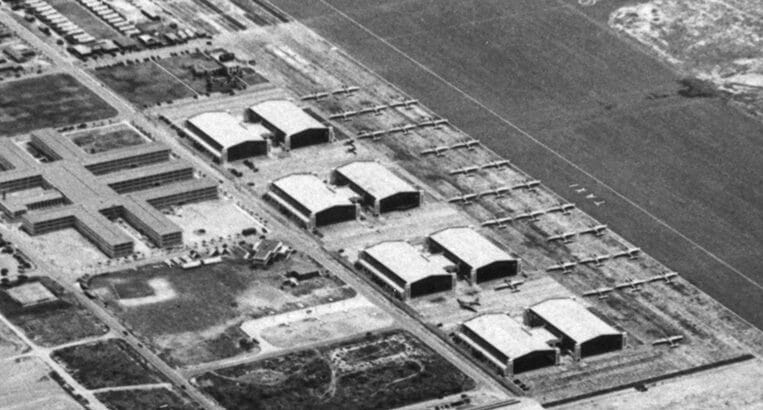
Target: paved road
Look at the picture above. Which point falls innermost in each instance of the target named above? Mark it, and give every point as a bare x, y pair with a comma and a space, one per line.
569, 104
44, 354
116, 328
299, 239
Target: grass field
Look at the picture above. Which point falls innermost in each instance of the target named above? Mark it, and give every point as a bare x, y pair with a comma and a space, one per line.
53, 323
188, 332
48, 101
107, 363
145, 399
27, 384
106, 139
145, 84
10, 344
387, 370
674, 176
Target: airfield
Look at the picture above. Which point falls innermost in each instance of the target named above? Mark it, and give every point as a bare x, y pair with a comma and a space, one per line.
470, 204
570, 101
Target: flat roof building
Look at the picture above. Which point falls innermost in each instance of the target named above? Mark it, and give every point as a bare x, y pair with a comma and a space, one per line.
403, 269
378, 187
83, 191
477, 257
580, 331
291, 125
308, 199
507, 345
227, 138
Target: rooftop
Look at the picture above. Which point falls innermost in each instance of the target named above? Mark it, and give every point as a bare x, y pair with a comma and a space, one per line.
226, 129
286, 116
506, 335
405, 261
375, 179
311, 192
470, 246
573, 319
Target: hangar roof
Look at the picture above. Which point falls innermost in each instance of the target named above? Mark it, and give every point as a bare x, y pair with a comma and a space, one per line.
573, 319
470, 247
286, 116
226, 129
311, 192
506, 335
375, 179
405, 261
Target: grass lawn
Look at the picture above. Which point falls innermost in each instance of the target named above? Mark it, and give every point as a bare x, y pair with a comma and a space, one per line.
145, 84
48, 101
107, 363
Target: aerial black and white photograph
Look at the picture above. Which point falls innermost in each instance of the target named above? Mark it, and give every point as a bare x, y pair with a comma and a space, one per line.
381, 204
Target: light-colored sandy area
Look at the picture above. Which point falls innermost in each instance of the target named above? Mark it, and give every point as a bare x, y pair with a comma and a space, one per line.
26, 386
218, 219
8, 262
323, 322
10, 344
718, 40
734, 387
67, 250
163, 292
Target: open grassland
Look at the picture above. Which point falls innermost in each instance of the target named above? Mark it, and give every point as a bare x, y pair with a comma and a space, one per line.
106, 363
48, 101
164, 399
387, 370
556, 91
27, 384
10, 344
186, 331
52, 323
144, 84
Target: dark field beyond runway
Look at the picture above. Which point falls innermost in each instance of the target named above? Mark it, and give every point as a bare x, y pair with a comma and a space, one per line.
550, 87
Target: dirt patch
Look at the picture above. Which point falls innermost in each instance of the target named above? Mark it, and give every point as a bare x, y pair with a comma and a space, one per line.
387, 370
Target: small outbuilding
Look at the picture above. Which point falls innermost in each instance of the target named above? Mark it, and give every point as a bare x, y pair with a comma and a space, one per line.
507, 345
266, 251
378, 187
399, 266
291, 125
309, 200
476, 257
579, 330
226, 137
